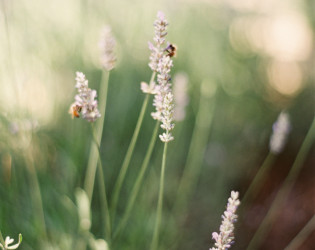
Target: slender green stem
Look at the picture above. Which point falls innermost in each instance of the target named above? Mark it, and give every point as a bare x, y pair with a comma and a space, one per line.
2, 240
302, 235
92, 163
37, 198
125, 165
137, 185
102, 188
195, 155
155, 240
284, 190
196, 150
258, 180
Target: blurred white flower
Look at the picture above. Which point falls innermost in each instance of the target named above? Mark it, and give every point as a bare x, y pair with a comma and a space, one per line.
181, 98
85, 102
149, 88
9, 241
107, 46
23, 125
84, 213
281, 129
224, 239
98, 244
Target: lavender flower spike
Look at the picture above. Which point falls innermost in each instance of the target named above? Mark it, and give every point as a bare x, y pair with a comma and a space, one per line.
225, 238
156, 49
281, 129
107, 45
163, 86
85, 102
167, 117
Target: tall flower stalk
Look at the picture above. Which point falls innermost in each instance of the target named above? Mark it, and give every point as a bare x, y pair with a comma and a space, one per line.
36, 192
86, 105
126, 162
281, 129
155, 239
157, 52
163, 102
284, 190
197, 146
107, 60
299, 239
136, 188
225, 238
157, 56
102, 188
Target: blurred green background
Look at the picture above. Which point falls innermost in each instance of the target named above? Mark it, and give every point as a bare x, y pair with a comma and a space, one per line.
245, 62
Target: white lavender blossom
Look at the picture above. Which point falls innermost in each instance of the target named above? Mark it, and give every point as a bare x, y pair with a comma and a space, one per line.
163, 87
160, 25
181, 98
161, 63
225, 238
281, 129
8, 241
85, 102
167, 117
107, 46
151, 88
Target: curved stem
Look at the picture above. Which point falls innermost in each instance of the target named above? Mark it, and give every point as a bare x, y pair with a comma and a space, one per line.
37, 197
259, 177
125, 165
2, 241
284, 190
102, 188
155, 240
196, 151
92, 163
137, 185
302, 235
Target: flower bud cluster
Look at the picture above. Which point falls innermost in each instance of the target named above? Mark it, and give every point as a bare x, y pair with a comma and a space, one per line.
107, 45
161, 62
167, 117
85, 102
163, 87
225, 238
160, 26
281, 129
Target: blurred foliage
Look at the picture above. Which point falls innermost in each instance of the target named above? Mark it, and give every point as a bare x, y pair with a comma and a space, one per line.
229, 50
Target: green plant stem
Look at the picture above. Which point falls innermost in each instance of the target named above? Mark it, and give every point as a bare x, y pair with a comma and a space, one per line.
2, 240
92, 163
137, 185
284, 190
258, 179
196, 151
302, 235
125, 165
155, 240
102, 187
36, 194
